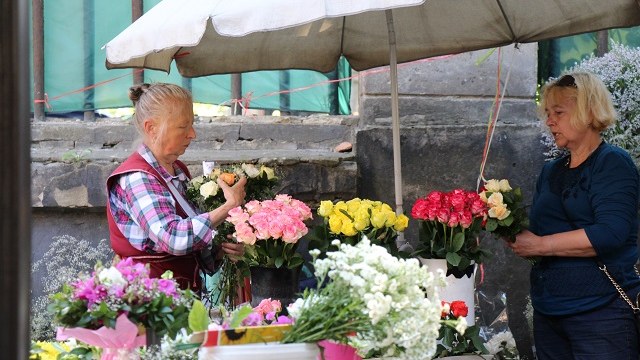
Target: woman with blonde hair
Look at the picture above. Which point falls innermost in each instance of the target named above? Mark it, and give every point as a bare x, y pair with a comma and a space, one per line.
583, 220
150, 218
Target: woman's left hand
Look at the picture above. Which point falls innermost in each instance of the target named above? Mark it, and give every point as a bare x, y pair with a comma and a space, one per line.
234, 250
527, 244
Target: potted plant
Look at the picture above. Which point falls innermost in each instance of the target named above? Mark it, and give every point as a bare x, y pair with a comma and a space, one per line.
270, 230
120, 308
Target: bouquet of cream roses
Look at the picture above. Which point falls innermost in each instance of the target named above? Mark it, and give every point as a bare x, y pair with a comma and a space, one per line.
506, 216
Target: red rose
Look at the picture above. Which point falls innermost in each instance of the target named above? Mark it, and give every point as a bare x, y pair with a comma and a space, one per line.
458, 202
459, 309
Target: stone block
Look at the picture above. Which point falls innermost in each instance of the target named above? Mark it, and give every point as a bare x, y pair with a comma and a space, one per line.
462, 74
421, 111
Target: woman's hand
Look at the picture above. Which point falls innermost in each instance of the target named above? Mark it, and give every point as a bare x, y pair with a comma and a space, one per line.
233, 194
528, 244
235, 251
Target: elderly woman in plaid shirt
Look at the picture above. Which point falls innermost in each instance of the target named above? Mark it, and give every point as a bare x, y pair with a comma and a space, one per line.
150, 218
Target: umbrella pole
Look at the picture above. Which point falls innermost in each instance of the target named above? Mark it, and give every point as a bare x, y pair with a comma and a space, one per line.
395, 121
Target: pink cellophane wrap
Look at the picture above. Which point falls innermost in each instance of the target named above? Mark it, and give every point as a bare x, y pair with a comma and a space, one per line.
117, 343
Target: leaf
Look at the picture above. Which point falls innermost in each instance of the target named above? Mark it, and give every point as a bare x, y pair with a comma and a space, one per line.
279, 261
491, 225
198, 317
295, 262
239, 315
508, 221
453, 258
458, 242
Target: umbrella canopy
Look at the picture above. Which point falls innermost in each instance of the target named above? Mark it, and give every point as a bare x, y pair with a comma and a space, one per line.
208, 37
219, 36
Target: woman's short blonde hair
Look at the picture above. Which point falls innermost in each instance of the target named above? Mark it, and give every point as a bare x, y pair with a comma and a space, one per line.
594, 107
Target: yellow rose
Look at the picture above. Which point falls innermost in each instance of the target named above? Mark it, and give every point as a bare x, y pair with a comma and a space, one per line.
251, 170
504, 185
209, 189
353, 205
325, 209
499, 212
378, 218
385, 207
391, 218
361, 220
268, 171
495, 199
339, 207
51, 351
335, 224
348, 228
492, 185
402, 221
483, 196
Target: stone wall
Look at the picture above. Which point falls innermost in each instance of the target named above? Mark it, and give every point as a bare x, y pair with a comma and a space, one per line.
444, 107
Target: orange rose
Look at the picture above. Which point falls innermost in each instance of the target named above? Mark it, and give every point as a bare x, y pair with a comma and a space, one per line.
229, 178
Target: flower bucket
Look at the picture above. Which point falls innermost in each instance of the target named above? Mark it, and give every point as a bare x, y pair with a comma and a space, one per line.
331, 350
457, 288
268, 351
277, 284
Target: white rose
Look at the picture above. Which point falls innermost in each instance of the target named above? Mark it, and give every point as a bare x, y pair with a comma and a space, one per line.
209, 189
461, 325
251, 170
492, 185
504, 185
499, 212
111, 276
496, 199
197, 182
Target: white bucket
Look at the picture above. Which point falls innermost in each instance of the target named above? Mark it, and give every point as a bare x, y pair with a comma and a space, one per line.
268, 351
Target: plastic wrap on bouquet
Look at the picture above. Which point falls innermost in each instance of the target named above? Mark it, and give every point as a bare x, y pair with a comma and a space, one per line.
457, 288
268, 351
117, 344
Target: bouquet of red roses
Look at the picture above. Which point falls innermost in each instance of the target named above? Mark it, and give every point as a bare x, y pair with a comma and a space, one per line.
449, 225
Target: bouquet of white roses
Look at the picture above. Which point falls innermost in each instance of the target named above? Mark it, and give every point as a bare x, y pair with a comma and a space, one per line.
206, 194
372, 301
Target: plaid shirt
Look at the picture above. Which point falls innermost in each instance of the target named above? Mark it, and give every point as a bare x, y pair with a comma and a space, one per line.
145, 213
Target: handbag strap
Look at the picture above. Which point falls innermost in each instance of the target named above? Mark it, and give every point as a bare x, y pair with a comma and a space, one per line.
181, 200
623, 294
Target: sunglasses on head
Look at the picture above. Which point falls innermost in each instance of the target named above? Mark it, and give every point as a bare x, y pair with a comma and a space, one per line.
567, 81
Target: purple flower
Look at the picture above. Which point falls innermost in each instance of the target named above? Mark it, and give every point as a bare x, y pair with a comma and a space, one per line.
168, 287
89, 291
283, 319
131, 271
254, 319
270, 316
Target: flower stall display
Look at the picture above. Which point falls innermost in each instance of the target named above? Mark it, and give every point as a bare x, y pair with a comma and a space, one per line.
206, 194
455, 337
352, 220
270, 230
506, 215
449, 225
370, 300
110, 307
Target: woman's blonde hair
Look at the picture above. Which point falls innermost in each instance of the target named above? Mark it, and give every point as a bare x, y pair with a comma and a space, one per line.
593, 100
152, 100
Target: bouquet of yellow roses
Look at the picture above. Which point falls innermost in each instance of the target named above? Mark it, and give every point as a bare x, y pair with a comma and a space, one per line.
352, 220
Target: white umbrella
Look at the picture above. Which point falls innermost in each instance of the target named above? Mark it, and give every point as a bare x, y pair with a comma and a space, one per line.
207, 37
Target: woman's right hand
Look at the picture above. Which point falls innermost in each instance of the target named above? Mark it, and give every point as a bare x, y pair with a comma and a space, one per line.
234, 194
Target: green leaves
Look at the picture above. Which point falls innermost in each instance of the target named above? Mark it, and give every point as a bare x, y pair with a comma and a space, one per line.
198, 317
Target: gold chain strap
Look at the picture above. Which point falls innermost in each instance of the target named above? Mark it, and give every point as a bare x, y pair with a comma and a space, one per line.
623, 294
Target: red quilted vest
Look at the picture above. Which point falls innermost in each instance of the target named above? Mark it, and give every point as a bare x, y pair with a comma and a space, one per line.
184, 268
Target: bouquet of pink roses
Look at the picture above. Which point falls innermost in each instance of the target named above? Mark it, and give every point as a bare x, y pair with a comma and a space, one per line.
271, 230
449, 224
